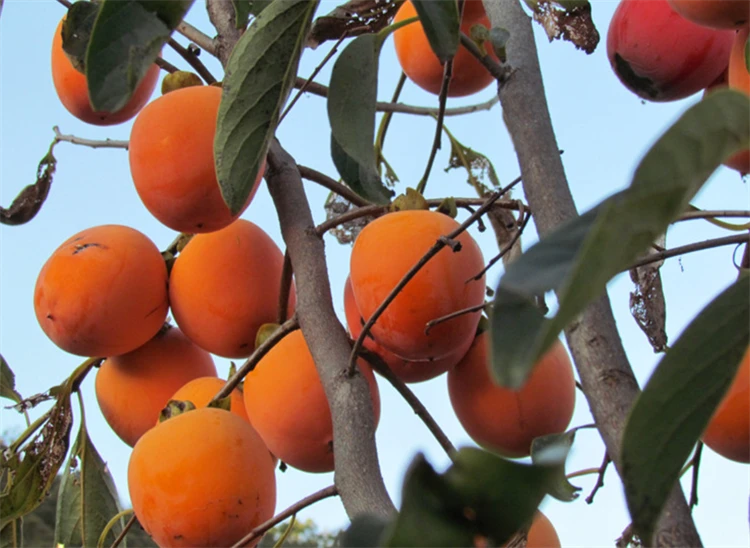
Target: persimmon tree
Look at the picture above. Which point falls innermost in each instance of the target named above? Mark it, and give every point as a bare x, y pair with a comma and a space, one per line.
648, 436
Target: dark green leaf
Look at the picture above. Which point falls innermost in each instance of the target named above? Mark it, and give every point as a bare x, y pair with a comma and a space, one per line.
351, 112
76, 31
259, 76
11, 535
87, 499
677, 403
441, 26
480, 494
361, 179
365, 530
127, 37
30, 473
553, 449
580, 257
8, 382
243, 9
747, 54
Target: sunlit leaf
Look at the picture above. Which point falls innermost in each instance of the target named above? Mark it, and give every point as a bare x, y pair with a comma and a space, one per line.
553, 449
260, 74
125, 41
579, 259
675, 406
243, 9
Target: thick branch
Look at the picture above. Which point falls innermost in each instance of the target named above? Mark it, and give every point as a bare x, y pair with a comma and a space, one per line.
606, 375
221, 14
357, 475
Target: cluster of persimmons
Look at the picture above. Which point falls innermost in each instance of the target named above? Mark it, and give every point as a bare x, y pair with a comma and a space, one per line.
665, 50
107, 290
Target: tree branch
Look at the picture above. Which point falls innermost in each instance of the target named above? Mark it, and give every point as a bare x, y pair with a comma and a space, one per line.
606, 375
357, 474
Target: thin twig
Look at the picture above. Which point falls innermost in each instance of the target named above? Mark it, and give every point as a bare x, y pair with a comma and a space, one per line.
322, 91
124, 532
379, 365
432, 323
312, 76
285, 288
704, 214
333, 185
106, 143
166, 65
65, 3
442, 99
696, 460
434, 250
198, 37
330, 491
600, 479
690, 248
282, 331
501, 73
385, 122
505, 249
193, 60
357, 213
179, 243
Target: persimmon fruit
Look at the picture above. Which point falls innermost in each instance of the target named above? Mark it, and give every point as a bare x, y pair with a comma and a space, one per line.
285, 401
542, 533
717, 14
738, 76
504, 420
407, 370
661, 56
224, 285
133, 388
728, 432
171, 156
421, 65
202, 478
200, 391
385, 250
103, 292
72, 89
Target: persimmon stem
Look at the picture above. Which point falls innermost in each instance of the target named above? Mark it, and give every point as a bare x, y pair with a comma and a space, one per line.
193, 60
696, 462
434, 250
260, 530
432, 323
124, 532
379, 365
282, 331
505, 250
690, 248
166, 65
500, 72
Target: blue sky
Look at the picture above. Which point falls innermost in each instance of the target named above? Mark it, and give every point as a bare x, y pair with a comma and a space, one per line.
602, 127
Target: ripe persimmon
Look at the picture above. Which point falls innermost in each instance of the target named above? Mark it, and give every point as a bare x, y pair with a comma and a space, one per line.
421, 65
224, 285
728, 432
385, 250
172, 161
505, 420
542, 533
285, 401
741, 160
717, 14
738, 76
202, 478
72, 89
103, 292
202, 390
406, 370
661, 56
133, 388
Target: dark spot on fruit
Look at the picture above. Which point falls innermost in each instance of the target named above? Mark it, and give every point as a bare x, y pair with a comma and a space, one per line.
639, 84
50, 317
244, 345
81, 247
199, 225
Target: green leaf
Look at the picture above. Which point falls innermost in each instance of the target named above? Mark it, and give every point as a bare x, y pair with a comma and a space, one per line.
8, 382
243, 9
11, 535
361, 179
747, 54
365, 530
579, 258
127, 37
87, 499
677, 403
259, 77
76, 32
440, 22
554, 448
351, 112
480, 494
29, 476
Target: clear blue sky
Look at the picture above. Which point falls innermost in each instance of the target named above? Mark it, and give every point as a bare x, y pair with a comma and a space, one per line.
601, 126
